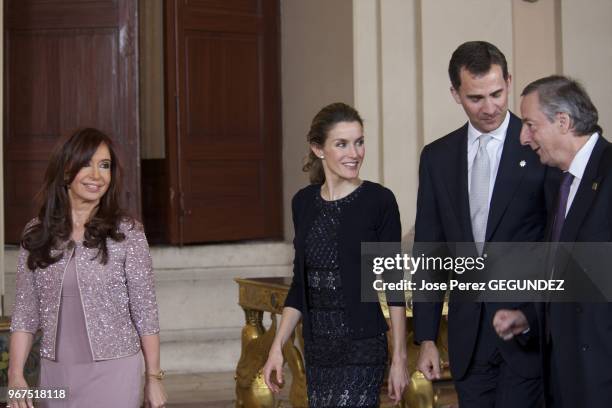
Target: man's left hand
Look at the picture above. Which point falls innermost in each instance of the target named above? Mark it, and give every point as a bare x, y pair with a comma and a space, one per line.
509, 323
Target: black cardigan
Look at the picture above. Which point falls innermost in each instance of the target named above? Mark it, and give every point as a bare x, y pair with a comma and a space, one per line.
375, 218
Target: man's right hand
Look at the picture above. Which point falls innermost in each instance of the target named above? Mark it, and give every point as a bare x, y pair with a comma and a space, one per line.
428, 361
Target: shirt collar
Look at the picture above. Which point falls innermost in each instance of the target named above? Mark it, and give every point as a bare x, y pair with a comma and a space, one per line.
582, 157
497, 134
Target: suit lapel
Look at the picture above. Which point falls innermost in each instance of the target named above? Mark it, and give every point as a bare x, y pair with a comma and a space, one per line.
456, 181
509, 174
585, 195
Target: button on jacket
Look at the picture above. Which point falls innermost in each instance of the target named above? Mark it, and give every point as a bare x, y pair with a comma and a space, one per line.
118, 298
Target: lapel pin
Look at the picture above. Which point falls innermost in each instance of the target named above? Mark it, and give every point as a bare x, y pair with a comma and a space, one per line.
522, 163
594, 186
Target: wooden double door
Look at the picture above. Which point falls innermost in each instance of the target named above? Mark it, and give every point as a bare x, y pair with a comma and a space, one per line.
74, 63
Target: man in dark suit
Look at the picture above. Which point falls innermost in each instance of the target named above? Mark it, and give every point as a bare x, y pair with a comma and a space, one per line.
478, 184
560, 125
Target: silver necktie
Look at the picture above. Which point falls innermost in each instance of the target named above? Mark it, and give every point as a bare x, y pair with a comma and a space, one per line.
479, 192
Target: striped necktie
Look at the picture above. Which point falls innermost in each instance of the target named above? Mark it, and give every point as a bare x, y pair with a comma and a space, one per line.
479, 192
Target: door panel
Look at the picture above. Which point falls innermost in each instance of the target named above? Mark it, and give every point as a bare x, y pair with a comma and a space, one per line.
224, 133
68, 65
223, 77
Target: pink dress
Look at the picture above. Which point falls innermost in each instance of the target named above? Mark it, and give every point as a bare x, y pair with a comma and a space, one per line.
89, 383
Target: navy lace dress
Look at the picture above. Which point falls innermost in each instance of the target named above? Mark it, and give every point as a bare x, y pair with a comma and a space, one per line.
340, 371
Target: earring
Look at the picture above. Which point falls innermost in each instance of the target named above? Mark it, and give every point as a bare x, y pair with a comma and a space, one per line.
322, 157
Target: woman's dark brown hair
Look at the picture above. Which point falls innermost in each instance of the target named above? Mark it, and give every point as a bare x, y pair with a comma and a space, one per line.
323, 122
54, 226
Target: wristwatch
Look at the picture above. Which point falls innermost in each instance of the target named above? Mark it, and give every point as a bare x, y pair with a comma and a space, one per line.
160, 376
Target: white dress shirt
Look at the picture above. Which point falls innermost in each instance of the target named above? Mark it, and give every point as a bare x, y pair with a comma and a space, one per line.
578, 166
494, 150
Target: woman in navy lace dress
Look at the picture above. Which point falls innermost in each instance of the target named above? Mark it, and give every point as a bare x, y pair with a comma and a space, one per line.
345, 342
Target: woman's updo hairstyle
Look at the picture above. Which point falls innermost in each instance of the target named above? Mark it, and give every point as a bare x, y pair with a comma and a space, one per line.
322, 123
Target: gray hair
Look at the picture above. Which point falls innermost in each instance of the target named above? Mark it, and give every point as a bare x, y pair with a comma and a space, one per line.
560, 94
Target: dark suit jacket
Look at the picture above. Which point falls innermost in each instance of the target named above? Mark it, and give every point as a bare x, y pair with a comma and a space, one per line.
517, 214
581, 333
374, 218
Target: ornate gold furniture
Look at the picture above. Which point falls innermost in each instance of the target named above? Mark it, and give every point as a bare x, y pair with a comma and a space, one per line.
257, 296
31, 369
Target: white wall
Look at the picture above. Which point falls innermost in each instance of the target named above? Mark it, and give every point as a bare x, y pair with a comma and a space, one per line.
446, 24
366, 62
536, 42
317, 69
587, 51
401, 95
387, 94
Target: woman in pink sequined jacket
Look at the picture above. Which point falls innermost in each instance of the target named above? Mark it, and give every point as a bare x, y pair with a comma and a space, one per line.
85, 279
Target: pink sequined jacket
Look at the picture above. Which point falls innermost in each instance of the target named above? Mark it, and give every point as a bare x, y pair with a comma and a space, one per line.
118, 298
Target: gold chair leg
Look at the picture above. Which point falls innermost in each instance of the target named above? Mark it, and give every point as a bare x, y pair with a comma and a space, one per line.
251, 390
297, 394
420, 392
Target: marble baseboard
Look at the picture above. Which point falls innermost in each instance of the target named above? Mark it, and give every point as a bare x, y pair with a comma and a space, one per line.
200, 351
